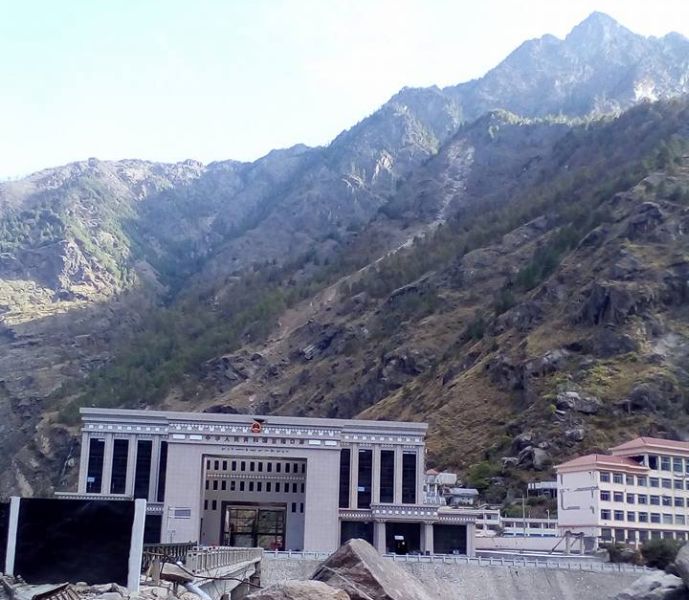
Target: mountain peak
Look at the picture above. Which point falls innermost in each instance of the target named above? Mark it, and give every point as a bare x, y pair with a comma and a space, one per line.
597, 26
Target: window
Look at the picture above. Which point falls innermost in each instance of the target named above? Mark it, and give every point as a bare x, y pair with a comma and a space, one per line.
260, 467
286, 467
295, 468
301, 507
678, 484
653, 462
679, 502
365, 478
302, 488
252, 466
654, 482
205, 505
619, 515
259, 486
277, 486
631, 516
679, 519
387, 475
605, 476
214, 505
655, 517
242, 466
643, 517
667, 519
606, 533
664, 463
142, 473
618, 497
294, 507
215, 484
223, 485
162, 471
120, 453
629, 479
269, 486
642, 499
677, 465
643, 535
655, 500
667, 484
605, 514
667, 501
233, 485
617, 478
269, 467
251, 486
234, 465
605, 495
94, 473
241, 486
278, 467
630, 498
216, 465
208, 464
303, 467
641, 481
224, 465
294, 488
408, 478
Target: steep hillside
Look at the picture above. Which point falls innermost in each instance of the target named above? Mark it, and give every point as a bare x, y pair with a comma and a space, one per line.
387, 274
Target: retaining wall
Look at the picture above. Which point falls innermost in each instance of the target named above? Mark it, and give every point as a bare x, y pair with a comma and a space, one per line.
470, 582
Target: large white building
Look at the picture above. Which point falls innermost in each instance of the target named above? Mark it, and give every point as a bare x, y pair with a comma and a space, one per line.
283, 483
640, 491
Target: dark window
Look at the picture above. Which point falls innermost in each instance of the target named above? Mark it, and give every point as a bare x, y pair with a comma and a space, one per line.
302, 488
216, 465
270, 467
652, 462
269, 486
252, 465
277, 467
241, 486
205, 505
365, 478
233, 485
215, 484
303, 467
301, 507
277, 486
234, 465
94, 474
242, 466
294, 507
223, 485
214, 505
260, 467
295, 468
208, 464
251, 486
387, 475
259, 486
286, 467
409, 478
208, 484
162, 470
345, 466
142, 475
118, 482
224, 465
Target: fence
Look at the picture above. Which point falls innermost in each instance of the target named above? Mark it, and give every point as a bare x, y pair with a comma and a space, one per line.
554, 563
165, 553
208, 559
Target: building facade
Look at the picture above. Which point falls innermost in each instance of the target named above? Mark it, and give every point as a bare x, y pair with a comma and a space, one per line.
639, 492
284, 483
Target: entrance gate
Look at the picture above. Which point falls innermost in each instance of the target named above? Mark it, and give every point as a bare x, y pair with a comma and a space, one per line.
254, 525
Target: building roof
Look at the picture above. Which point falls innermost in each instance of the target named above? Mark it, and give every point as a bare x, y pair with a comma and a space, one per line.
455, 491
601, 462
645, 443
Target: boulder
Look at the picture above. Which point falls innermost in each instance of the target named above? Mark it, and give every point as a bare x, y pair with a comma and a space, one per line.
575, 435
655, 586
299, 590
580, 402
681, 564
359, 570
533, 458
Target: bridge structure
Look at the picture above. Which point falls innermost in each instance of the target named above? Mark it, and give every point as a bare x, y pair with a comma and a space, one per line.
213, 572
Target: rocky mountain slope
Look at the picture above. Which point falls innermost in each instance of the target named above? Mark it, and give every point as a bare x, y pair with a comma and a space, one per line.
424, 265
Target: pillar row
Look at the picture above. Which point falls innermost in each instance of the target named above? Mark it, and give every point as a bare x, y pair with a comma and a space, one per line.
354, 476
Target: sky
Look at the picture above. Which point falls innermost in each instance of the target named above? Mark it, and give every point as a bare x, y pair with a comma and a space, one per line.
168, 80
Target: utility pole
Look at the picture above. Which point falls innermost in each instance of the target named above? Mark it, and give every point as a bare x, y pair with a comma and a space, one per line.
524, 514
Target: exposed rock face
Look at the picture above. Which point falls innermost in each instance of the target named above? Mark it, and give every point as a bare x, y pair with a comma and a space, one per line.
681, 564
299, 590
358, 569
583, 403
655, 586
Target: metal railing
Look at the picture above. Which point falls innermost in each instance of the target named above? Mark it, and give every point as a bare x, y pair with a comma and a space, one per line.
203, 560
459, 559
165, 553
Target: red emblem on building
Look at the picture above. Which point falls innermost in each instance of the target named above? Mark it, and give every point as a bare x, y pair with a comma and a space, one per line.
256, 427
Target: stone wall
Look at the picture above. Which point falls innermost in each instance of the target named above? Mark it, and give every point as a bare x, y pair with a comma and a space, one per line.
469, 582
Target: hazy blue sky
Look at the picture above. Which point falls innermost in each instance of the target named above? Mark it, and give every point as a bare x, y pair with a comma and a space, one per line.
216, 79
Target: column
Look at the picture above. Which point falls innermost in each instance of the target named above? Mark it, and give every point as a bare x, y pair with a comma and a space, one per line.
13, 523
107, 464
131, 465
471, 534
427, 538
155, 465
379, 536
354, 476
397, 498
83, 463
136, 545
321, 514
375, 491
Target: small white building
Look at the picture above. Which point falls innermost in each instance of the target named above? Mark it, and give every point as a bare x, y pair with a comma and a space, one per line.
639, 492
